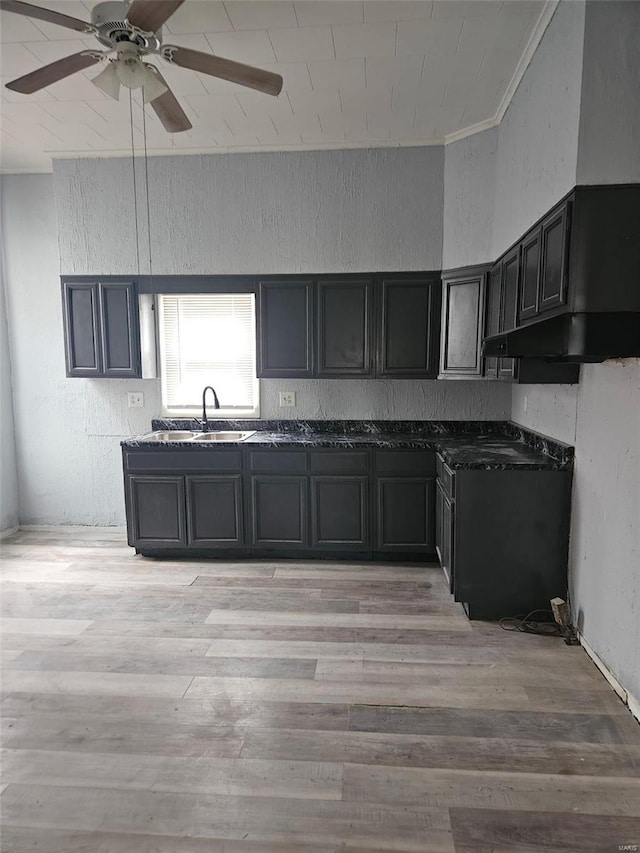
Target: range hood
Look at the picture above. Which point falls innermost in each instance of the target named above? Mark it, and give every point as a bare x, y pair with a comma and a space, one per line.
574, 337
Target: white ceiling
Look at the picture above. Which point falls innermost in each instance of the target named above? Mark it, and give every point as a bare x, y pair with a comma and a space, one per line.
357, 73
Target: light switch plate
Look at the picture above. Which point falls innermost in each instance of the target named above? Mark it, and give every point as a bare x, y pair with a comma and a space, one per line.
287, 398
135, 399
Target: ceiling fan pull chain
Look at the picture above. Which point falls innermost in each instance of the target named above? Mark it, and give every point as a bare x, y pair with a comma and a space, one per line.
146, 178
135, 189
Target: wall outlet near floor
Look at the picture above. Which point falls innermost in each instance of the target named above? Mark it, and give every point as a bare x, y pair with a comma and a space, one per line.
135, 399
287, 398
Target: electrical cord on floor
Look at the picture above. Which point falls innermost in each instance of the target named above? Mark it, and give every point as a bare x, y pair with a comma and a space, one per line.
528, 625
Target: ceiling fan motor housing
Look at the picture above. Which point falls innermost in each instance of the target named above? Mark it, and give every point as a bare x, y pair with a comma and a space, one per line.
112, 28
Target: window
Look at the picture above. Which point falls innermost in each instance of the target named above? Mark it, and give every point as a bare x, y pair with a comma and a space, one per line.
208, 339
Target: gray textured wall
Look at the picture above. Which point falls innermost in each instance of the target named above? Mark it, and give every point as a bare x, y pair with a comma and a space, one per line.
602, 415
550, 409
605, 536
469, 189
8, 467
67, 430
538, 135
320, 211
609, 141
387, 399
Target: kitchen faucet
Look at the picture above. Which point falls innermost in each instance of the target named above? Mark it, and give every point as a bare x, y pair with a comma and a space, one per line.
216, 404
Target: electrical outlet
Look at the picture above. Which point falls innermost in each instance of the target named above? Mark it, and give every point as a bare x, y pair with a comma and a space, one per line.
287, 398
525, 402
135, 399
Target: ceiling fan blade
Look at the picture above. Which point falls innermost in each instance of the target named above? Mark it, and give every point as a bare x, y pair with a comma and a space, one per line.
168, 110
216, 66
43, 77
47, 15
150, 15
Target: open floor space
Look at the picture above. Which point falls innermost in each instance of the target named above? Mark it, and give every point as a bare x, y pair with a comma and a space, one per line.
272, 707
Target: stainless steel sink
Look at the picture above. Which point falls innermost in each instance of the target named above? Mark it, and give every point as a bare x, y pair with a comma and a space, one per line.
223, 435
169, 435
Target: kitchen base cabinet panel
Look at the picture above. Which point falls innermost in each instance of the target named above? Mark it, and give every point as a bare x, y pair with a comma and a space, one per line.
339, 517
405, 509
214, 511
510, 540
279, 511
156, 511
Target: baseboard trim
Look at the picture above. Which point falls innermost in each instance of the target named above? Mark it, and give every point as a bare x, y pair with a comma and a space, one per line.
72, 528
629, 699
4, 534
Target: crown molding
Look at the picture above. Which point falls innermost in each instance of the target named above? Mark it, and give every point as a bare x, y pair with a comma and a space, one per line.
534, 40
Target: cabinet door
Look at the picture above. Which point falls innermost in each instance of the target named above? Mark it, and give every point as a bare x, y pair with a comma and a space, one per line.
339, 517
409, 328
214, 511
279, 511
447, 558
509, 306
439, 517
157, 511
81, 329
553, 275
531, 246
462, 322
344, 328
492, 326
405, 514
119, 330
285, 329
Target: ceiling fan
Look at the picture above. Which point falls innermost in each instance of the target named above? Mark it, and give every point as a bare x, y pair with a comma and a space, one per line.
133, 31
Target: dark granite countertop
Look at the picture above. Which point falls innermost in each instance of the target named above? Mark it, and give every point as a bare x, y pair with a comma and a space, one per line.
485, 445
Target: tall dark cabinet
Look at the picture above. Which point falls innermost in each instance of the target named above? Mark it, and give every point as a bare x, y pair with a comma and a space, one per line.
409, 310
463, 306
343, 329
101, 329
285, 330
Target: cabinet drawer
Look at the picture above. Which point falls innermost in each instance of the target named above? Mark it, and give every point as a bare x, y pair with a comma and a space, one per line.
412, 463
278, 461
339, 462
183, 460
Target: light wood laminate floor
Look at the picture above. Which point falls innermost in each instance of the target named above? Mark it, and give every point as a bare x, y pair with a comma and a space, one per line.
273, 707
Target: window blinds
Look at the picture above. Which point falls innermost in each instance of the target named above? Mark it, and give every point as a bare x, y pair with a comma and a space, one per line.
208, 339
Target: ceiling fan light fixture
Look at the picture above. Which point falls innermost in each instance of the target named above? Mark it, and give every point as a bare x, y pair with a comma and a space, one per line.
152, 86
108, 81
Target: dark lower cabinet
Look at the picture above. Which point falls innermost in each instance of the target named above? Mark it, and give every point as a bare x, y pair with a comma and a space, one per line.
279, 511
405, 514
214, 510
101, 328
339, 512
156, 511
505, 538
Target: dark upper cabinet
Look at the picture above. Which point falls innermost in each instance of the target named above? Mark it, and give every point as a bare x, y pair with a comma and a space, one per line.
409, 326
509, 292
343, 334
386, 325
553, 266
492, 325
285, 329
101, 329
463, 298
529, 291
214, 511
